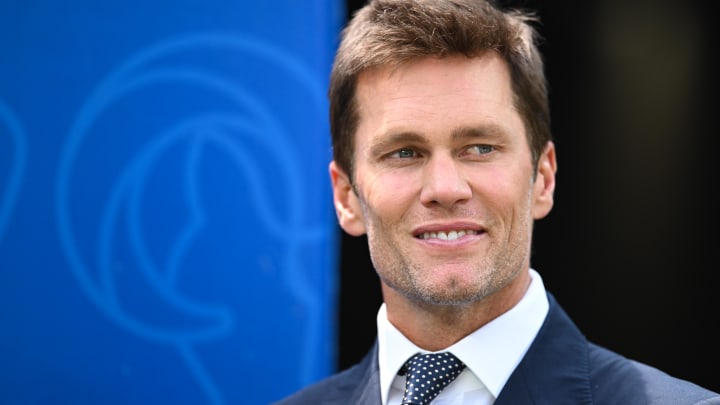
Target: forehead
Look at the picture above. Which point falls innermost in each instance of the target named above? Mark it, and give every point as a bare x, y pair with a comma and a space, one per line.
435, 95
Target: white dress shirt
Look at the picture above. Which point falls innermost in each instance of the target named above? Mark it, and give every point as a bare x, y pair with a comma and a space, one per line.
491, 353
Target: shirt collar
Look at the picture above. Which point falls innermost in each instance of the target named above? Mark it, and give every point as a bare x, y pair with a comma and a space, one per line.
491, 352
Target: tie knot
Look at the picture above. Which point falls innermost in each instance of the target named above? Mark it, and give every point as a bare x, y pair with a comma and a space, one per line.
428, 374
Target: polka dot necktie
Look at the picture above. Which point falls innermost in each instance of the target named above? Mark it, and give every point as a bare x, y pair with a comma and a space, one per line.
427, 375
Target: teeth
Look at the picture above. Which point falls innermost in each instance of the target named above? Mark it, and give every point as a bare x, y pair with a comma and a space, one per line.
450, 235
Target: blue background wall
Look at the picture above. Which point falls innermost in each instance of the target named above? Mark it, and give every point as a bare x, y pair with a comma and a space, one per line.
166, 229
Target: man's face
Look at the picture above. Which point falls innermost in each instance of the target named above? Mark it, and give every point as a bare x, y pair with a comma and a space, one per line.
444, 179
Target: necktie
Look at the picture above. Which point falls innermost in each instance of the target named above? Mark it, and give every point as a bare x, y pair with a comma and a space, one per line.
427, 375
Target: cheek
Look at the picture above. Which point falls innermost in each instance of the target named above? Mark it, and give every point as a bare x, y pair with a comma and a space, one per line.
389, 196
507, 191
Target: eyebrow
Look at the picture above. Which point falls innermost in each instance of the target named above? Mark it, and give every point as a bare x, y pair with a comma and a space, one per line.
392, 140
489, 131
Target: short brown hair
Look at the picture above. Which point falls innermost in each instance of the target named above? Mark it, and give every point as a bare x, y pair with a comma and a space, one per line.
391, 32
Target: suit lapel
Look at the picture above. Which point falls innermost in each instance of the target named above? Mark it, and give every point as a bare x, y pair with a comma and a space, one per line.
555, 370
367, 390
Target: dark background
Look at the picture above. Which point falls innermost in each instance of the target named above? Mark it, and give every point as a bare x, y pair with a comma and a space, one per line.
629, 249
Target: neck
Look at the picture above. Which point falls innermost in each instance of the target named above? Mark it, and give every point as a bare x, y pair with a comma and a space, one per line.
437, 327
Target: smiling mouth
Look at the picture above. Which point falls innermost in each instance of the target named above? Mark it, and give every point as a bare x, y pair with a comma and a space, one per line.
446, 235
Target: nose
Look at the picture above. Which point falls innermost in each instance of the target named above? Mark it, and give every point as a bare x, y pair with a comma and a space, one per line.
444, 183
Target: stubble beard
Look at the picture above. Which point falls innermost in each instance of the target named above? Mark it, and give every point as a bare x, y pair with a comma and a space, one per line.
491, 275
399, 271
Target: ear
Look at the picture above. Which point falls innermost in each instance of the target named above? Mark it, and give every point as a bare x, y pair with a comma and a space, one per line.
544, 187
347, 204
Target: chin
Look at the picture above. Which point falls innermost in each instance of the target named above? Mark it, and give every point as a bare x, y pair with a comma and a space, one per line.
454, 295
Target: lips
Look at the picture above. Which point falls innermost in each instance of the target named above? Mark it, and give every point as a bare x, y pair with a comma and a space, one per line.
447, 231
447, 235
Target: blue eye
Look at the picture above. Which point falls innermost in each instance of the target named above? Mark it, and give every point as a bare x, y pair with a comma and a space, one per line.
405, 153
481, 149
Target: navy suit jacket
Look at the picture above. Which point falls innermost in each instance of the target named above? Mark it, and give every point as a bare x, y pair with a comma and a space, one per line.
560, 367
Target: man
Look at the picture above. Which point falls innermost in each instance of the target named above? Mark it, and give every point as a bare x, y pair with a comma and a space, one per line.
443, 156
